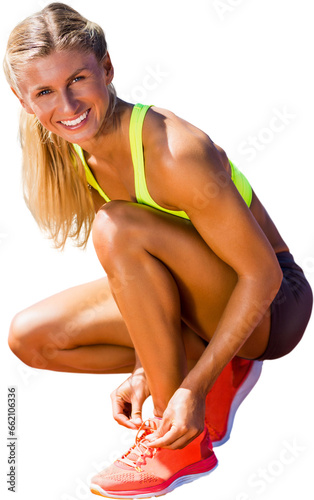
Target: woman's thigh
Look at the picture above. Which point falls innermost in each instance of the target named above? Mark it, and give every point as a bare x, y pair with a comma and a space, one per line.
60, 327
82, 315
204, 281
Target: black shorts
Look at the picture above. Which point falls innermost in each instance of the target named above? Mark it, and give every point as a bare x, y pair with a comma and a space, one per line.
290, 310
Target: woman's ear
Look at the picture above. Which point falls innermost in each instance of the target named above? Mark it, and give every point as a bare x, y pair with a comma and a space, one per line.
25, 106
107, 64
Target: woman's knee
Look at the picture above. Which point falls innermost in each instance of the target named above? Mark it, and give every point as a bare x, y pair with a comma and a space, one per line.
117, 227
20, 335
28, 339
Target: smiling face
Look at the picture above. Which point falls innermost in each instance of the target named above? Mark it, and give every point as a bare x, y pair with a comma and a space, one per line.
68, 93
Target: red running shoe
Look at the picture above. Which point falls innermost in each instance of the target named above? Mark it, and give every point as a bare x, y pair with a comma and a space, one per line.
232, 386
145, 472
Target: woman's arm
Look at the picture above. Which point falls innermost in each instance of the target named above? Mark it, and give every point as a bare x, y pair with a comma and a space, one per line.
195, 180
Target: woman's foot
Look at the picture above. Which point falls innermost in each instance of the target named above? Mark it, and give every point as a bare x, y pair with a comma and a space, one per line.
145, 472
232, 386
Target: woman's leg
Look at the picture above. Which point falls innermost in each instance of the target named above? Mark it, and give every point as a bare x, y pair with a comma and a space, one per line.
80, 330
161, 271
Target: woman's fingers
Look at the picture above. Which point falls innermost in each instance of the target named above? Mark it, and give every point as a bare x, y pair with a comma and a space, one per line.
172, 440
127, 401
121, 411
182, 421
136, 416
172, 437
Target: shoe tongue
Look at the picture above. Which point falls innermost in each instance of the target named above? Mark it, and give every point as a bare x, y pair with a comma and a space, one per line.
121, 465
133, 457
148, 427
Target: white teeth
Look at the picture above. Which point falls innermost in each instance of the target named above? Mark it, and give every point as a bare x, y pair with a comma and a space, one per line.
72, 123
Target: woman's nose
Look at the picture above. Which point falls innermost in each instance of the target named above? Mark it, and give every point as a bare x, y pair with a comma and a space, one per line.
68, 104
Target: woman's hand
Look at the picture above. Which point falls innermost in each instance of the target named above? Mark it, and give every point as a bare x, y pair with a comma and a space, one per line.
182, 421
127, 400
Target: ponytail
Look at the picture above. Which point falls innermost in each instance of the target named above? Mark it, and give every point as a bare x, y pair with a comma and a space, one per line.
54, 184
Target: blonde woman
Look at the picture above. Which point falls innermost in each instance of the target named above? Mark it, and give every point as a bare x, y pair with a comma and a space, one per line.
200, 287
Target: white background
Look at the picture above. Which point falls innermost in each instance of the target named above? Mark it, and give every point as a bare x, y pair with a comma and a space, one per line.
230, 67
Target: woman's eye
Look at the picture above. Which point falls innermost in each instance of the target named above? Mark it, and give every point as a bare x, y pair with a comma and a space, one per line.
47, 91
77, 79
43, 92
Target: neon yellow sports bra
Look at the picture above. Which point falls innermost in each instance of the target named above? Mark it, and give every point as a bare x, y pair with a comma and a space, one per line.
142, 195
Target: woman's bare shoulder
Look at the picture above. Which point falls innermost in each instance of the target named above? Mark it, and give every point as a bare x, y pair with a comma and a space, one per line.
172, 138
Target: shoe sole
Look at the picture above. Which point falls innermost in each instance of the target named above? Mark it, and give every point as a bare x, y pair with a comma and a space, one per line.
97, 490
246, 387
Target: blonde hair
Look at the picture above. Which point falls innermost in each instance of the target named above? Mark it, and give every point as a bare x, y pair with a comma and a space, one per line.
54, 182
